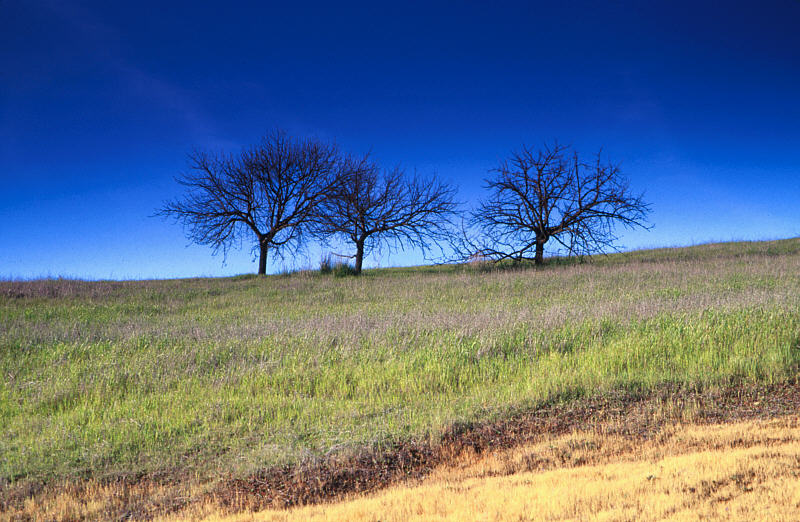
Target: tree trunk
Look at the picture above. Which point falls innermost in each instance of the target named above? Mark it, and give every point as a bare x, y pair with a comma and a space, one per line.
262, 258
359, 256
539, 259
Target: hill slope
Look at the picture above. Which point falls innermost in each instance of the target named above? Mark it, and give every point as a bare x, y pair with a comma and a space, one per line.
210, 378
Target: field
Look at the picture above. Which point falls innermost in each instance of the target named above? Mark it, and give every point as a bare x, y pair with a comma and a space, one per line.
149, 398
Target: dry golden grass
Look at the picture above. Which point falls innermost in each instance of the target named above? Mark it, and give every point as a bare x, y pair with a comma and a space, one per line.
95, 500
744, 471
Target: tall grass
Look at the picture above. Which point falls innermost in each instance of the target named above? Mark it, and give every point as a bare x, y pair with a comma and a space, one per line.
205, 375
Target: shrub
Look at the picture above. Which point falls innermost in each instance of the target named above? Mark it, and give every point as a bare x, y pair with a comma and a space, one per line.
342, 269
338, 268
325, 264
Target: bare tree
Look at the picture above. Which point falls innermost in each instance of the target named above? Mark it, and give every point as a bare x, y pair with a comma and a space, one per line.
266, 192
371, 208
536, 196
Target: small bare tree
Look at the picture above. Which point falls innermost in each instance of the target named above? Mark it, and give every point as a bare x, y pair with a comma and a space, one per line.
371, 208
266, 192
536, 196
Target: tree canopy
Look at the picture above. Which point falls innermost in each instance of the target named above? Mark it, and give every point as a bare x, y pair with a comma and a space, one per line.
552, 194
265, 193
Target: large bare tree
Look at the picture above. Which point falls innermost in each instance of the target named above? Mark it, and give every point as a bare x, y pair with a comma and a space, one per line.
265, 193
372, 208
552, 194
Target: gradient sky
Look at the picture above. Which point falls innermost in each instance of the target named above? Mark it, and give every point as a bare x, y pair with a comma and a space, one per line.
101, 101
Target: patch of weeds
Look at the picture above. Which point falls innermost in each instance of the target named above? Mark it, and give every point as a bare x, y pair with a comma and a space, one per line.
338, 268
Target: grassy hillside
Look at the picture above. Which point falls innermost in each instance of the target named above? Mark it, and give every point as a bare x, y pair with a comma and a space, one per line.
203, 376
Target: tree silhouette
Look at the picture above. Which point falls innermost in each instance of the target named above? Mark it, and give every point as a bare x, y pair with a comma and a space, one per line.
373, 208
551, 194
266, 193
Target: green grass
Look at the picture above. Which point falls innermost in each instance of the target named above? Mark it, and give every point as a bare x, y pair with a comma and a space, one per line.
204, 376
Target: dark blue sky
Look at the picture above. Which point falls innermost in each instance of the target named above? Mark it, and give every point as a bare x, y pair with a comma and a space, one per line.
101, 101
